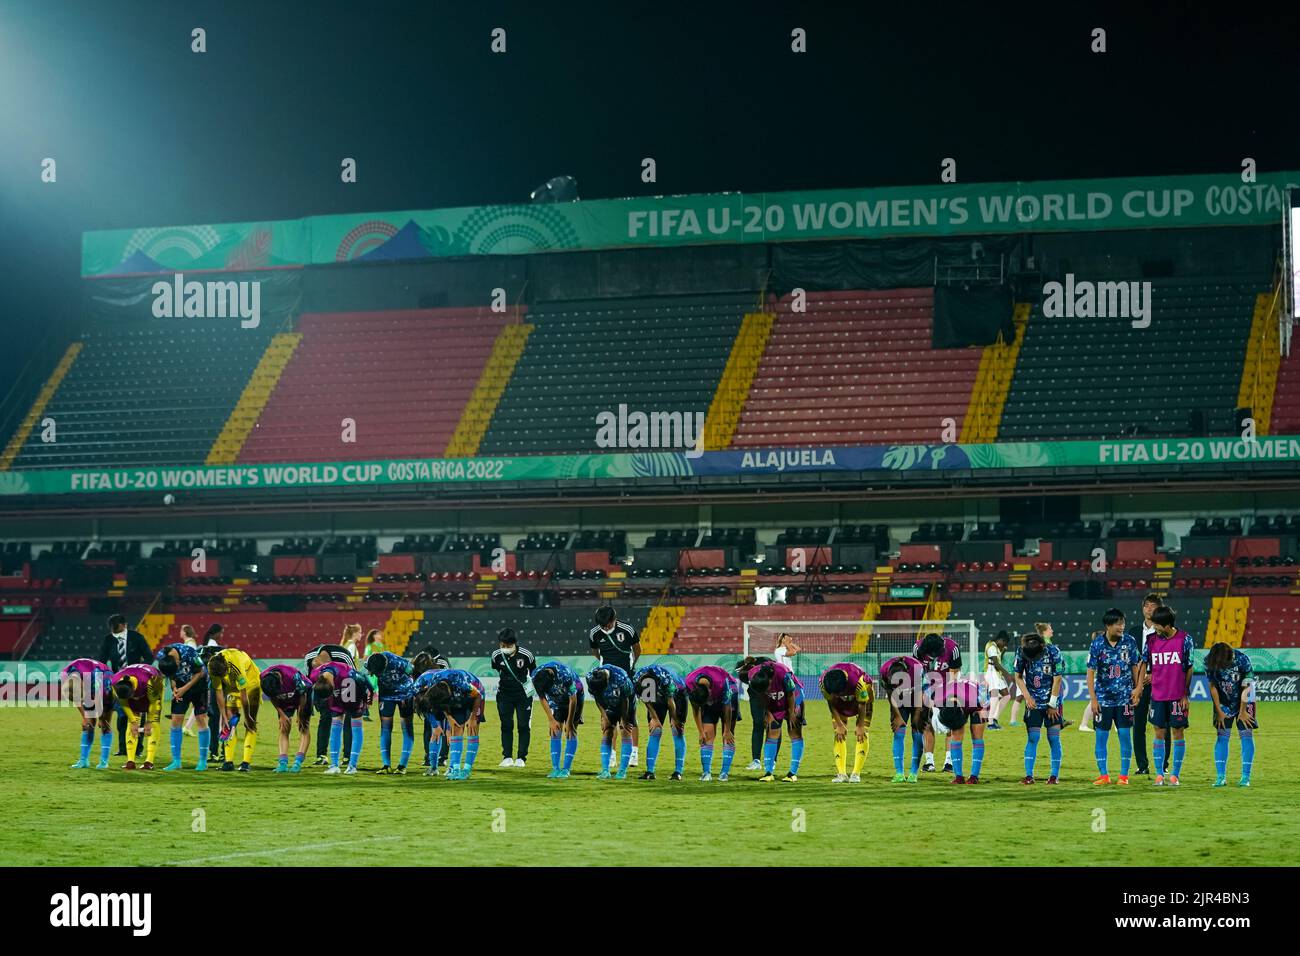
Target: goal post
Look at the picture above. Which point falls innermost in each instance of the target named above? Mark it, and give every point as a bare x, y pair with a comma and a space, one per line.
865, 643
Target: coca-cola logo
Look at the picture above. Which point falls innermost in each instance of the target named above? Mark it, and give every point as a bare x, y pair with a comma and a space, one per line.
1278, 687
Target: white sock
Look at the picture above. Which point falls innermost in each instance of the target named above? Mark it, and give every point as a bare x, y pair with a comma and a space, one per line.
929, 759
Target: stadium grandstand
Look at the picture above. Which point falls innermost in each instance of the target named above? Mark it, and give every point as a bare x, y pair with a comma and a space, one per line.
414, 442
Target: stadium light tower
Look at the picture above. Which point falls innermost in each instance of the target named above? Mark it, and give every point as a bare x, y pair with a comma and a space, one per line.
556, 189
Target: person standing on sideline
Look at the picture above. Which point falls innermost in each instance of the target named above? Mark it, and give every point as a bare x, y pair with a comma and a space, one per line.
122, 648
1142, 712
997, 677
785, 651
1089, 715
515, 665
615, 642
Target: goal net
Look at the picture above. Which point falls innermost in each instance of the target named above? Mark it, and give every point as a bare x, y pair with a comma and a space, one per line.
865, 643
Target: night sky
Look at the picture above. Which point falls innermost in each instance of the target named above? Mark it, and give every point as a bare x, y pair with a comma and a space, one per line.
146, 132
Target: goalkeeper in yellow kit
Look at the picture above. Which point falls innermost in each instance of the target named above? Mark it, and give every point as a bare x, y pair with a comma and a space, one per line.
849, 695
139, 689
237, 687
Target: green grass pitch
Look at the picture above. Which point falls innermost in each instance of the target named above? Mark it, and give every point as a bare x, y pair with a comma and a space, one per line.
502, 817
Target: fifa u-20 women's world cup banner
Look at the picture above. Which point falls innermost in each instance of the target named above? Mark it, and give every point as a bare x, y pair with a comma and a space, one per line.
951, 209
1173, 454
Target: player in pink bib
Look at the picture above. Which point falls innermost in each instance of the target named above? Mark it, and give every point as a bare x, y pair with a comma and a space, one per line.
902, 684
849, 696
1168, 659
714, 695
88, 684
782, 696
957, 703
139, 689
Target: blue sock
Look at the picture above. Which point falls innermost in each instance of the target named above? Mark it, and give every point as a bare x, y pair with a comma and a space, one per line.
976, 757
205, 742
652, 749
1247, 751
770, 748
1221, 742
557, 745
408, 742
1101, 740
918, 747
1125, 749
435, 751
336, 741
471, 751
283, 762
386, 743
604, 755
1158, 755
728, 755
298, 759
358, 735
958, 763
679, 751
1031, 749
898, 750
706, 758
106, 745
454, 752
1054, 745
177, 735
87, 737
570, 751
796, 755
1180, 751
625, 755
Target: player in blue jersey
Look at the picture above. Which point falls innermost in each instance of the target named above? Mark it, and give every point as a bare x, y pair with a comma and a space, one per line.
664, 693
1232, 691
435, 721
1038, 675
1114, 661
560, 691
395, 676
182, 665
459, 695
432, 659
610, 688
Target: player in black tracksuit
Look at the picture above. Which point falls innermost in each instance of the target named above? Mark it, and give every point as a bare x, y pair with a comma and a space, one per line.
615, 642
515, 664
